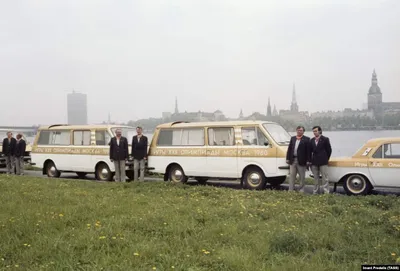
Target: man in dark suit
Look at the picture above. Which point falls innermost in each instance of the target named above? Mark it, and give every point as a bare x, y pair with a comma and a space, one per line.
9, 151
320, 153
139, 153
20, 148
297, 157
119, 154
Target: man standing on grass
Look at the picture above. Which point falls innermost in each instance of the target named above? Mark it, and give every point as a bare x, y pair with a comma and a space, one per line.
9, 144
119, 154
297, 157
20, 148
139, 153
320, 153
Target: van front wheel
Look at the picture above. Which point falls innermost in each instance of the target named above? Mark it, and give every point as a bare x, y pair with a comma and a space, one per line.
253, 178
176, 174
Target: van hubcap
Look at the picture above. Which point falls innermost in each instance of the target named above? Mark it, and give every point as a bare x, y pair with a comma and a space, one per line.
52, 170
103, 173
177, 175
356, 184
254, 178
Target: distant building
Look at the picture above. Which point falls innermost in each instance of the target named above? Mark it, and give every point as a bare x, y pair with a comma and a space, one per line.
77, 108
269, 112
176, 105
192, 116
241, 116
275, 112
294, 114
375, 102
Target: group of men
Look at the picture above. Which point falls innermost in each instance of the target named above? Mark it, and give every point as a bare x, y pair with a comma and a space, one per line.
304, 153
119, 154
14, 150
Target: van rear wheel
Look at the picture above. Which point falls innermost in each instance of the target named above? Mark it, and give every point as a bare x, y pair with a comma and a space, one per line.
254, 179
51, 170
176, 174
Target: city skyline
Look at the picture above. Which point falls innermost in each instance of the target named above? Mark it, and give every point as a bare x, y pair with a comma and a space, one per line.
133, 58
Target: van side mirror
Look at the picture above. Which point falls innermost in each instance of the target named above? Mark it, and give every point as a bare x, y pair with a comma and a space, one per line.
266, 143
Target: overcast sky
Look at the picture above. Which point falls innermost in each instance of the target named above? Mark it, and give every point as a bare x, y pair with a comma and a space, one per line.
132, 57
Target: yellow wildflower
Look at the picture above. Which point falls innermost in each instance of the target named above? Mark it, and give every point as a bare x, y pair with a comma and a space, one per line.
393, 254
102, 237
136, 254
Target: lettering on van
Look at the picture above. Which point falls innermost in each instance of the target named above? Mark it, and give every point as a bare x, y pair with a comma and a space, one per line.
377, 164
72, 150
394, 165
358, 164
214, 152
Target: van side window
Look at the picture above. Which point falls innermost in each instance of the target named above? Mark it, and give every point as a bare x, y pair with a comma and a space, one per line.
60, 138
44, 138
391, 151
378, 153
262, 140
82, 138
221, 136
181, 137
102, 138
192, 137
253, 136
249, 136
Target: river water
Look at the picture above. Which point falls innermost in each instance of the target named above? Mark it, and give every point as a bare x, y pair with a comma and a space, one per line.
346, 143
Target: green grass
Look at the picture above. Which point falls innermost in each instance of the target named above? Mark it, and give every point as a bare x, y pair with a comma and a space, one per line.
48, 224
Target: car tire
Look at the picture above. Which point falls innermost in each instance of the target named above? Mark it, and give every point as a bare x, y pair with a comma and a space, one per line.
254, 179
51, 170
177, 175
130, 174
81, 175
276, 181
357, 184
202, 180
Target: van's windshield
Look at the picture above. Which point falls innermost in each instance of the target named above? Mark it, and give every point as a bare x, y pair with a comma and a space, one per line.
278, 133
126, 132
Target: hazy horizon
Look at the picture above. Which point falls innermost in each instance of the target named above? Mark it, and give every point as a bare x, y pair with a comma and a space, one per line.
132, 58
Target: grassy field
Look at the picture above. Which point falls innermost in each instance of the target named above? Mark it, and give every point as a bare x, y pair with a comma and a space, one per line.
49, 224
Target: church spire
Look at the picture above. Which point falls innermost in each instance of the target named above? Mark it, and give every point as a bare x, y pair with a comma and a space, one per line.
176, 105
241, 114
275, 112
269, 113
294, 107
374, 89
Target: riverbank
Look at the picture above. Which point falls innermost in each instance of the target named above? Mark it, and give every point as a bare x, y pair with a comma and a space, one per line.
65, 224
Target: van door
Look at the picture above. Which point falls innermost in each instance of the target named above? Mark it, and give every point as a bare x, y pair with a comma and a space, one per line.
257, 150
384, 165
222, 153
81, 157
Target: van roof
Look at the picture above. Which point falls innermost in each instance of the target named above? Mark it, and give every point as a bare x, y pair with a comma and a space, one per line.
212, 123
77, 127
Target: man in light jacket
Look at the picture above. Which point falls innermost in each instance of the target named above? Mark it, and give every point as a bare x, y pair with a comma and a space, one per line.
297, 157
